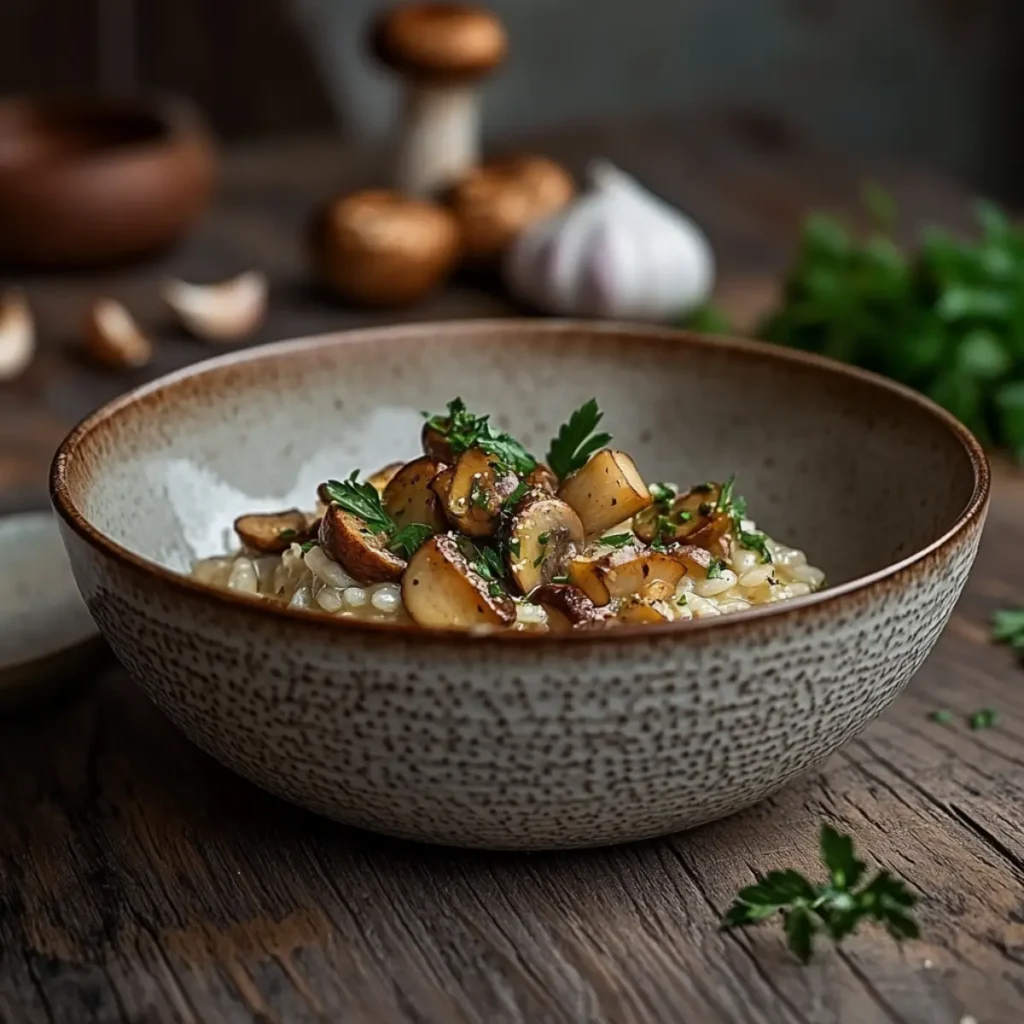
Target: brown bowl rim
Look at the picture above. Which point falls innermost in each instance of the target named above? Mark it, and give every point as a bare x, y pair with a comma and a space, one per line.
177, 117
506, 330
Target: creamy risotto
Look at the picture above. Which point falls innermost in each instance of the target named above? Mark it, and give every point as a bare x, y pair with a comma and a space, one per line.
477, 533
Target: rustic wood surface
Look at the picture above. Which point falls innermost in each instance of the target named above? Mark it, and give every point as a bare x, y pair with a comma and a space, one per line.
140, 882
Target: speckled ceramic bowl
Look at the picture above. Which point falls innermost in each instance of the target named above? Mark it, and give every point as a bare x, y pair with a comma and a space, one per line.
518, 740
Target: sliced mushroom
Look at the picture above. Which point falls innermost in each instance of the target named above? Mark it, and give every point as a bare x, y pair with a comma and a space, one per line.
624, 573
606, 491
409, 498
479, 485
545, 536
436, 444
693, 517
357, 549
695, 560
222, 311
643, 611
17, 335
542, 478
273, 532
113, 338
567, 606
384, 476
441, 590
441, 485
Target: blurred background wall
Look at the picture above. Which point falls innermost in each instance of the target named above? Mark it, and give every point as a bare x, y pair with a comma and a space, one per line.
934, 79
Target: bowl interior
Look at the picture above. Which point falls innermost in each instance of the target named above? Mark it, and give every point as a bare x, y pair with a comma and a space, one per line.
857, 474
36, 132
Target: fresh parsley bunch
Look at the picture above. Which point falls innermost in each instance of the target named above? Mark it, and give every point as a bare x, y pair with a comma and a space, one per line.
835, 908
947, 320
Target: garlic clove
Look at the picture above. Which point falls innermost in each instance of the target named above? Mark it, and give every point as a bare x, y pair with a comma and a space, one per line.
113, 338
219, 312
17, 335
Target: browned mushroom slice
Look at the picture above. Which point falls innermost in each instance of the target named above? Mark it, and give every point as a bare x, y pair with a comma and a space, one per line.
441, 485
642, 611
270, 533
695, 560
384, 476
436, 444
357, 549
409, 498
624, 573
606, 491
567, 606
441, 590
479, 485
541, 478
693, 517
545, 535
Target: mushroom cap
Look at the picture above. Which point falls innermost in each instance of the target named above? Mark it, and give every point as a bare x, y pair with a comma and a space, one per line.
440, 42
382, 248
496, 202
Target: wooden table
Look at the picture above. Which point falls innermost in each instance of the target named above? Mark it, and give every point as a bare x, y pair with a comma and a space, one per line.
139, 881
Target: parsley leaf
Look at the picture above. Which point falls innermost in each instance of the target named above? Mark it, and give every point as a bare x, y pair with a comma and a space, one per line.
407, 540
576, 440
835, 908
662, 494
715, 569
362, 500
308, 546
1008, 628
617, 540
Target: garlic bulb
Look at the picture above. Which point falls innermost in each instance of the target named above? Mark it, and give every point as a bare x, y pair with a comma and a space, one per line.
618, 252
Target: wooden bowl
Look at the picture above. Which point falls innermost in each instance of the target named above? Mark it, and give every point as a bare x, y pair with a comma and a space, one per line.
528, 740
85, 182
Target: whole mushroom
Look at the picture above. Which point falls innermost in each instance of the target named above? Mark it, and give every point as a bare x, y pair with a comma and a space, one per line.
380, 248
496, 202
442, 50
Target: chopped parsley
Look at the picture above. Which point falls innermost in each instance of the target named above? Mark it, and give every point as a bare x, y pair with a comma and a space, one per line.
943, 716
464, 430
715, 569
407, 540
662, 494
836, 908
735, 507
559, 579
618, 540
308, 546
577, 440
984, 718
682, 601
513, 499
288, 534
513, 546
479, 496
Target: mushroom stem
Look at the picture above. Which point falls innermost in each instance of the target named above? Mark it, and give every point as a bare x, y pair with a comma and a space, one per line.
440, 138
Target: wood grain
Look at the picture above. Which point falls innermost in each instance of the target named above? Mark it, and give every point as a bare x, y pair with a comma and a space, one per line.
140, 882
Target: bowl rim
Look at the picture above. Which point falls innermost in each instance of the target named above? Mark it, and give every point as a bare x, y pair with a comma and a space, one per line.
69, 513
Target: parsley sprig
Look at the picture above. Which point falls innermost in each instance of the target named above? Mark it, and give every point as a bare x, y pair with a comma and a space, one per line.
835, 908
364, 501
465, 429
577, 440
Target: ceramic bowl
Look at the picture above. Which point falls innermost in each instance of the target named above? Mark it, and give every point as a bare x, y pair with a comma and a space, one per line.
85, 182
518, 740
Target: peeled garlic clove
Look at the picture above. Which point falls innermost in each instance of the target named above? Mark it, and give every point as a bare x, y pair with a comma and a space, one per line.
618, 251
113, 338
17, 335
230, 309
